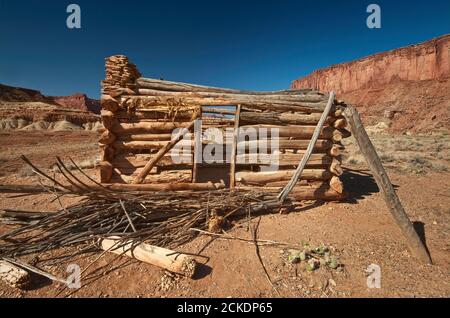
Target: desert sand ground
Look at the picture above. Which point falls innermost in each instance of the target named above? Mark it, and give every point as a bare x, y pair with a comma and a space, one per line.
359, 230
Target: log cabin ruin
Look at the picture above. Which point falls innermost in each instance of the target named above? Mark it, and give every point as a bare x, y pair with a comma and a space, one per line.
161, 136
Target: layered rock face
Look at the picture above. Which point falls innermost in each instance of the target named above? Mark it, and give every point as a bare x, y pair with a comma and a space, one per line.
78, 101
425, 61
22, 108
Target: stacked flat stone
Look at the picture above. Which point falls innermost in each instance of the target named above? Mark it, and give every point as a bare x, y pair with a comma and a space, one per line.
120, 73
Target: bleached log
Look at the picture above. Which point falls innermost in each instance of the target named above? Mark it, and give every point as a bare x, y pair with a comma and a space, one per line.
271, 118
145, 127
300, 193
321, 145
156, 84
108, 119
164, 258
221, 111
235, 98
339, 123
106, 169
165, 176
296, 131
142, 145
247, 177
336, 168
146, 137
13, 275
109, 103
336, 184
382, 179
335, 151
286, 159
156, 114
107, 137
164, 186
266, 103
139, 161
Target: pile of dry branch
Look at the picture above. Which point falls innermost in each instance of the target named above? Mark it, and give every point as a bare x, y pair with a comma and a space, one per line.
121, 220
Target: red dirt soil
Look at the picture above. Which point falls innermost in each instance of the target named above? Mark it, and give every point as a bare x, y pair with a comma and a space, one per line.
361, 231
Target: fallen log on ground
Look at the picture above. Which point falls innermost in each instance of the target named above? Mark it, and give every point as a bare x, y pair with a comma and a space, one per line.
164, 258
13, 275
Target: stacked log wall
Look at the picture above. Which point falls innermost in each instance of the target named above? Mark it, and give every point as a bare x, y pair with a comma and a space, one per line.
140, 114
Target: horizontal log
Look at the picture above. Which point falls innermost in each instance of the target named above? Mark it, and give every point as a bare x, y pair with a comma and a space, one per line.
271, 118
336, 184
155, 114
105, 169
246, 177
336, 168
138, 102
316, 160
109, 103
300, 193
339, 123
164, 186
108, 119
156, 127
235, 98
321, 145
298, 132
165, 176
124, 162
146, 137
142, 145
107, 137
156, 84
218, 111
174, 262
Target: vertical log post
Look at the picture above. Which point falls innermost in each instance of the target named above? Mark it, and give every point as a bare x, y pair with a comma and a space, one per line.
234, 147
401, 218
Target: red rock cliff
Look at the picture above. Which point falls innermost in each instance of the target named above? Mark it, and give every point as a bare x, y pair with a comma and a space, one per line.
425, 61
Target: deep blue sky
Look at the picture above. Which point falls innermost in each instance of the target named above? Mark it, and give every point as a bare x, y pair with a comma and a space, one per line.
253, 44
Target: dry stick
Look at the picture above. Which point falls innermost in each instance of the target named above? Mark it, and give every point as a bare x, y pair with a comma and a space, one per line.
126, 213
382, 179
255, 240
154, 160
34, 269
285, 192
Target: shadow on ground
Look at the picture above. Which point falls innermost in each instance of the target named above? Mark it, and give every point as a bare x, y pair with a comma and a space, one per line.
359, 184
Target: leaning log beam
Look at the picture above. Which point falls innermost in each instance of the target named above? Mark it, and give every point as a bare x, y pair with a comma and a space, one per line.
382, 179
165, 149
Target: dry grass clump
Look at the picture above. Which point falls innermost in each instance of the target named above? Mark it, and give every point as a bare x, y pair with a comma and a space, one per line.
413, 154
